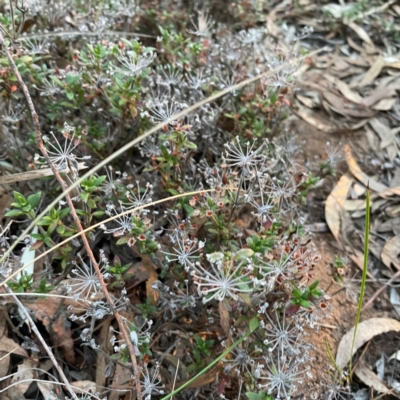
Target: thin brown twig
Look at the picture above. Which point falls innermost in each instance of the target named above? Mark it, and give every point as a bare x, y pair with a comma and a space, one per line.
380, 290
42, 341
64, 186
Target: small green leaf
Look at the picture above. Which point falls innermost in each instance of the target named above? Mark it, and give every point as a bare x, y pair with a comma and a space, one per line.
20, 198
14, 213
314, 285
305, 304
34, 199
254, 324
255, 396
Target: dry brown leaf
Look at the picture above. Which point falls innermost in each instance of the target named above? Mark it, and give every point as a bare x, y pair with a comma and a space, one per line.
392, 151
46, 388
354, 205
358, 258
383, 131
366, 375
393, 64
310, 118
63, 335
34, 174
5, 199
390, 192
224, 317
345, 90
360, 32
332, 99
25, 373
334, 206
373, 72
366, 330
83, 387
202, 380
378, 95
153, 276
385, 104
310, 103
106, 347
122, 377
8, 345
45, 310
359, 174
390, 252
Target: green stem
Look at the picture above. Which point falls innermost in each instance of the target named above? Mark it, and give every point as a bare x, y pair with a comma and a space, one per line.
364, 277
226, 352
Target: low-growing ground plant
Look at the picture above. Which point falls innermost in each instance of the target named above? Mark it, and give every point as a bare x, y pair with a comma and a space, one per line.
194, 238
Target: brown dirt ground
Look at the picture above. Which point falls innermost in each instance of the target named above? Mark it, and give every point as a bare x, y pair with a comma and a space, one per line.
343, 311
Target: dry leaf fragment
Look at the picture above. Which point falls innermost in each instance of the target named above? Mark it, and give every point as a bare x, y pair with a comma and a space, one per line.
366, 375
359, 174
391, 251
202, 380
153, 276
334, 206
354, 205
384, 132
360, 32
345, 90
390, 192
8, 345
385, 104
25, 376
379, 94
83, 386
34, 174
366, 331
310, 103
373, 72
395, 302
224, 317
310, 118
47, 389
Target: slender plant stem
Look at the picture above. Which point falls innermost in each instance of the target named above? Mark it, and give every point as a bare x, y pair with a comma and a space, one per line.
364, 276
43, 342
224, 354
40, 144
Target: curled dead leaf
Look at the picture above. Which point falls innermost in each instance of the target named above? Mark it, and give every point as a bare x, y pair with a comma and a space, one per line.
334, 206
390, 252
366, 331
366, 375
359, 174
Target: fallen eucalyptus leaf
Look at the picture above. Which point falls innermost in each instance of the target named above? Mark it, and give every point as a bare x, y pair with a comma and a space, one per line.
369, 377
390, 252
366, 331
360, 175
334, 206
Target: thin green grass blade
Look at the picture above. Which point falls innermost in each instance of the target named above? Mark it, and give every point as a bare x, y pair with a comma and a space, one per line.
225, 353
332, 358
364, 276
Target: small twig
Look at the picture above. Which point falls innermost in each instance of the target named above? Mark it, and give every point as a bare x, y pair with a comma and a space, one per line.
42, 341
80, 33
35, 174
39, 142
9, 353
380, 290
